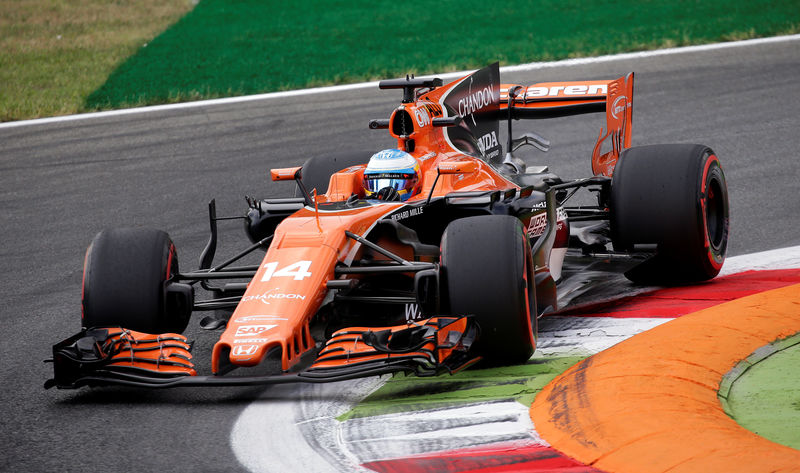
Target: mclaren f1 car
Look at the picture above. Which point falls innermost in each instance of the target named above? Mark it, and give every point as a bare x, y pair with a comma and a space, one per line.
422, 259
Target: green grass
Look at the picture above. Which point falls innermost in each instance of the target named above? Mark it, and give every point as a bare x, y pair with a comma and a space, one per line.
54, 53
410, 393
766, 399
228, 47
67, 56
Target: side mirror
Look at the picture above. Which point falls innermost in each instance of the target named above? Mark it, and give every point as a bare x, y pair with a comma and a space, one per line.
285, 174
292, 174
452, 167
457, 167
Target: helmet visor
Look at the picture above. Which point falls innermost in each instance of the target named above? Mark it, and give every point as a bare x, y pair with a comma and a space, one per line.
396, 180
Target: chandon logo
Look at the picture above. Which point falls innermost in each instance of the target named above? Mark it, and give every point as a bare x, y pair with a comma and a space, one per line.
476, 101
270, 295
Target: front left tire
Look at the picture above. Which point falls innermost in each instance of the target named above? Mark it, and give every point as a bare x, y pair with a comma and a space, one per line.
125, 282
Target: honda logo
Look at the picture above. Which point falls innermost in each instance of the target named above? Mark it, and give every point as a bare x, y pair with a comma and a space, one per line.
245, 350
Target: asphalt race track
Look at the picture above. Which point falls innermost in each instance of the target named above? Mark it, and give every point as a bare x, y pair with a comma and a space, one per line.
64, 182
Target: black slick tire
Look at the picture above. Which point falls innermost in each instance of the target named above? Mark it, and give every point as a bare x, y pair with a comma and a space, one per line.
488, 274
675, 197
124, 277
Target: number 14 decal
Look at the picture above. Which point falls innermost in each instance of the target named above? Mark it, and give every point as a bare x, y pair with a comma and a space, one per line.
298, 271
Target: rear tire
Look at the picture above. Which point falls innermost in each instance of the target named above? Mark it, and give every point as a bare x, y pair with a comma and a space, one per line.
124, 278
673, 196
488, 273
317, 171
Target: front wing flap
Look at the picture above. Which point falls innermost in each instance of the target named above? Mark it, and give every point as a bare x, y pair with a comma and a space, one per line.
117, 352
117, 356
433, 344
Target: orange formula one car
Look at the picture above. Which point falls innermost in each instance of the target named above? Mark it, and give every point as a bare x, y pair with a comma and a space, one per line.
421, 259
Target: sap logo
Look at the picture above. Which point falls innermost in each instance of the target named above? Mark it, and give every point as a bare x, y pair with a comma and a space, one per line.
252, 330
487, 141
245, 350
422, 117
620, 105
556, 90
413, 312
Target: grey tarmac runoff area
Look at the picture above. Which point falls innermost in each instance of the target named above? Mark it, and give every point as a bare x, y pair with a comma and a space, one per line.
64, 182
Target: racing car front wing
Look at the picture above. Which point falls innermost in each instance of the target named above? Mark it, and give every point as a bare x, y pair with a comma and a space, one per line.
117, 356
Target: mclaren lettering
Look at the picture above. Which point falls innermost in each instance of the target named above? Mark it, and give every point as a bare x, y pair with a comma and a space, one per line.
571, 90
576, 90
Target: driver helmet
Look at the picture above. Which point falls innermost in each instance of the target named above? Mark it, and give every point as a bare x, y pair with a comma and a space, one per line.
393, 169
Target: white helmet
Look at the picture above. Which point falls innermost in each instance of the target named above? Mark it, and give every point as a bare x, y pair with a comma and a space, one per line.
393, 169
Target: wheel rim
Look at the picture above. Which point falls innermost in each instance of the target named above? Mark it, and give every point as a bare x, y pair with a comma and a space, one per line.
531, 310
715, 213
526, 278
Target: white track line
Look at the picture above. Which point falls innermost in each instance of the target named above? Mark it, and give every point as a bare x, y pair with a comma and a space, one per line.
435, 430
586, 336
450, 75
281, 431
783, 258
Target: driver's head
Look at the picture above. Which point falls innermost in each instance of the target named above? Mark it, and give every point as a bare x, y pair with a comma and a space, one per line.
391, 174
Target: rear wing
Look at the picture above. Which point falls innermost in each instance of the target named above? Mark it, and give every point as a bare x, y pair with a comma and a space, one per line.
559, 99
